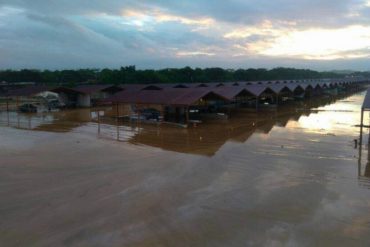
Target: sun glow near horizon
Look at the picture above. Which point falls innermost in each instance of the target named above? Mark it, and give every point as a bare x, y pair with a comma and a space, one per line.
321, 44
311, 44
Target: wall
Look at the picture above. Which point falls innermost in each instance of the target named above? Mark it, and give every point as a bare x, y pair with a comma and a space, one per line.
63, 98
83, 100
130, 109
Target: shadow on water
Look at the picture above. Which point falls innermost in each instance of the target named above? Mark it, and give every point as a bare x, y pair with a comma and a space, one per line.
60, 121
206, 139
364, 160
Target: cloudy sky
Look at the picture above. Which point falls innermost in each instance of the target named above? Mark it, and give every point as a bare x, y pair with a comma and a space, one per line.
55, 34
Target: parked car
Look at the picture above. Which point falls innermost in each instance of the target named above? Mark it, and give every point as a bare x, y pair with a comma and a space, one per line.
151, 114
54, 104
27, 108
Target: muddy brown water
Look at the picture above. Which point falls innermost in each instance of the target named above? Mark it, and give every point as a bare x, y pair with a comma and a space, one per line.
286, 178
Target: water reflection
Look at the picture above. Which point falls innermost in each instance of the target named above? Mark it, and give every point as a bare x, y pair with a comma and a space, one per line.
318, 115
273, 183
314, 116
61, 121
364, 159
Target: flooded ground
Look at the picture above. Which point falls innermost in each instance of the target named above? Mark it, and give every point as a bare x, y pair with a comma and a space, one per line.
286, 178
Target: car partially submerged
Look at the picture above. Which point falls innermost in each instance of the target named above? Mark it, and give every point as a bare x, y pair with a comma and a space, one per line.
26, 108
54, 104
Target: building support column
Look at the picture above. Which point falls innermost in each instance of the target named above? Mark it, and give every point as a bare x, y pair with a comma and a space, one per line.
360, 141
98, 122
368, 140
162, 113
361, 124
187, 114
117, 120
7, 118
29, 122
138, 114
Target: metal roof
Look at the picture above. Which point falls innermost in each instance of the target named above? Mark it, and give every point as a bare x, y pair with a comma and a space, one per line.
304, 85
89, 89
83, 89
230, 92
227, 89
256, 89
314, 84
293, 86
170, 96
277, 88
65, 90
28, 91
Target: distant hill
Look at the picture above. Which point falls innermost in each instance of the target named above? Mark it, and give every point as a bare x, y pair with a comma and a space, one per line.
343, 72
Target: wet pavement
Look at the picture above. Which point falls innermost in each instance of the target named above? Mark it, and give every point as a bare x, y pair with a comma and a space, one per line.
286, 178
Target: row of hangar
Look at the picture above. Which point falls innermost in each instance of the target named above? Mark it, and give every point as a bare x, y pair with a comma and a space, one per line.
186, 102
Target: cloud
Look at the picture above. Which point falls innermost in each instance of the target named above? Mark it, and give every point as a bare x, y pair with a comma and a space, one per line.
63, 33
321, 43
194, 53
158, 16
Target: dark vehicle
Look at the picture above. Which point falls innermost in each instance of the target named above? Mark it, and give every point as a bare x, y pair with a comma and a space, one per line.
26, 108
151, 114
54, 104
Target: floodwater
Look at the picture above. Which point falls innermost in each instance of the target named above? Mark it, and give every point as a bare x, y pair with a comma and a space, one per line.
291, 177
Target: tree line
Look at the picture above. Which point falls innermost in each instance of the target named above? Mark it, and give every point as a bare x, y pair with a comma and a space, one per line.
129, 75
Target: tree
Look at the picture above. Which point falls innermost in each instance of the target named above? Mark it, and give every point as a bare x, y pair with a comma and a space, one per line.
129, 75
